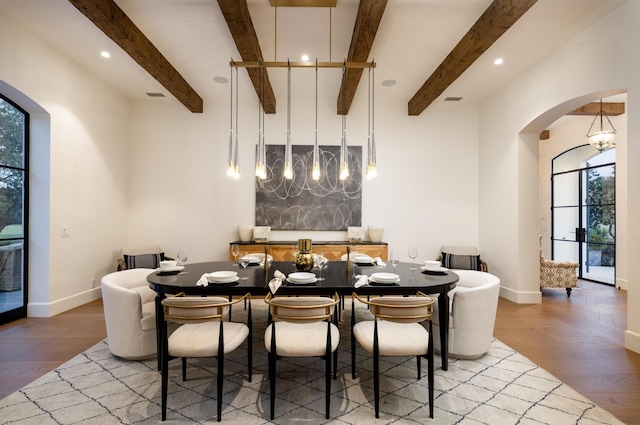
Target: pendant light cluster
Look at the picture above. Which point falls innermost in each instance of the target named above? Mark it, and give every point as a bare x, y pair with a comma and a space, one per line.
288, 156
232, 168
261, 160
371, 139
261, 150
315, 170
344, 149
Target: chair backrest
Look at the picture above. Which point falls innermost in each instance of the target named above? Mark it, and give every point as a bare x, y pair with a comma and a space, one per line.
187, 310
401, 309
301, 309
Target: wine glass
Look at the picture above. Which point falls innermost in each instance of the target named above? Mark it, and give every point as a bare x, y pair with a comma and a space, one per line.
394, 260
244, 262
294, 251
413, 254
182, 257
235, 250
320, 262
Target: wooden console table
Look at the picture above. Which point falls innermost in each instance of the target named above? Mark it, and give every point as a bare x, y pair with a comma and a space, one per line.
333, 250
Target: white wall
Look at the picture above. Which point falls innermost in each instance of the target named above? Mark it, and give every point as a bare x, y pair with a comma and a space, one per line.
511, 121
426, 192
79, 170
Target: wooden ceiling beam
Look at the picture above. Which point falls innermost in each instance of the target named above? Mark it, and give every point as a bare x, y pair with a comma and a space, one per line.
236, 13
495, 21
364, 32
610, 108
116, 25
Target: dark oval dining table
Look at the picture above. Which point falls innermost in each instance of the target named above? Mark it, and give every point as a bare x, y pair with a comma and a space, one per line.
338, 277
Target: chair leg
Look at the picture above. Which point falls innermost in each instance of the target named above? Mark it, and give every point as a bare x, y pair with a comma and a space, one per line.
327, 370
220, 369
353, 340
184, 368
568, 292
272, 371
165, 370
418, 366
430, 372
376, 370
219, 386
250, 341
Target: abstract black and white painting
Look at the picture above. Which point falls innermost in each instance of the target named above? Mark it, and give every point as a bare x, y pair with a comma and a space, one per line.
306, 204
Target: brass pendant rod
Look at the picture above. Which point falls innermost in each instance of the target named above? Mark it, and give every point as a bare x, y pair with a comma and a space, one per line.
258, 64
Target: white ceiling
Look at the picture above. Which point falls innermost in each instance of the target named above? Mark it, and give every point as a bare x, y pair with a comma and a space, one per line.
413, 38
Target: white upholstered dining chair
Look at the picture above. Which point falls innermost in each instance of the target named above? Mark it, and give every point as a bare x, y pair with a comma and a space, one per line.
302, 327
396, 330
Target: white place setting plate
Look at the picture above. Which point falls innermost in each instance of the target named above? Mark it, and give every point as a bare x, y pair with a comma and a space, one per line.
436, 270
302, 281
170, 269
384, 278
301, 277
363, 259
254, 259
222, 277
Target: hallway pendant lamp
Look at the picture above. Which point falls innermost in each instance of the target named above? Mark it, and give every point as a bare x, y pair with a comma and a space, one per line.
261, 167
371, 141
315, 171
344, 152
288, 157
602, 138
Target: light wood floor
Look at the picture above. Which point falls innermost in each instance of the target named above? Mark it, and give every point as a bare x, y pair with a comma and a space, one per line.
579, 339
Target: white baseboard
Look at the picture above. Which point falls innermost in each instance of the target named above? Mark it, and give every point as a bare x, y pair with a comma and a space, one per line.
621, 284
632, 341
521, 297
59, 306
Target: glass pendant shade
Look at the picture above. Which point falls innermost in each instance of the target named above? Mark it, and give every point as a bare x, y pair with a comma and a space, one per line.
371, 141
602, 138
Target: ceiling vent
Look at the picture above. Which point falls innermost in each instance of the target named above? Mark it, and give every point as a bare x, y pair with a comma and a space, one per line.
452, 99
155, 94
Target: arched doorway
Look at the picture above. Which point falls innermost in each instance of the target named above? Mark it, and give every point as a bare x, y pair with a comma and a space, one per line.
583, 211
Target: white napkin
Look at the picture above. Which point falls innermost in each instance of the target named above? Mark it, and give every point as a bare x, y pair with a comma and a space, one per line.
275, 283
379, 262
363, 280
203, 281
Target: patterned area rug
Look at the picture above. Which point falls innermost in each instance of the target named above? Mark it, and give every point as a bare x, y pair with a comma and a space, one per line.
502, 387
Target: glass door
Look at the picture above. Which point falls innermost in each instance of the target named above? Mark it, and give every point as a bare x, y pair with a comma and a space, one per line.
13, 210
583, 212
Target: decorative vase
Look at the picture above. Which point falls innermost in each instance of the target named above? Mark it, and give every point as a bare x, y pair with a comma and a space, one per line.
375, 233
304, 259
245, 232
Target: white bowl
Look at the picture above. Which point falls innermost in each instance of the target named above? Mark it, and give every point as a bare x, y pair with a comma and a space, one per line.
432, 265
168, 264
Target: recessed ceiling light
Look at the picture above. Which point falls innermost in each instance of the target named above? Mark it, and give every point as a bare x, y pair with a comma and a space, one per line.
304, 58
388, 83
221, 80
498, 61
105, 54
